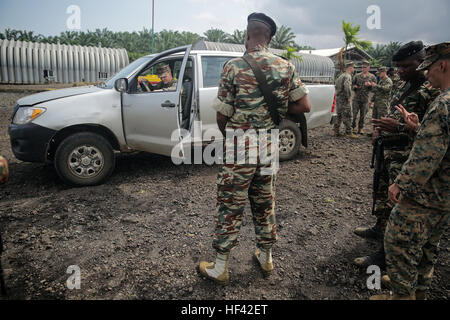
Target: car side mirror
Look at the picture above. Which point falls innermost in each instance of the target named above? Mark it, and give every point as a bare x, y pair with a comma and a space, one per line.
121, 85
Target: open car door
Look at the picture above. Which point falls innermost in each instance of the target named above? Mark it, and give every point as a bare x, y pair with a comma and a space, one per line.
151, 118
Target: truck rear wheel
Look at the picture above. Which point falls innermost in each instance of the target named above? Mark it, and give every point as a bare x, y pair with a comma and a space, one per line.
290, 140
84, 159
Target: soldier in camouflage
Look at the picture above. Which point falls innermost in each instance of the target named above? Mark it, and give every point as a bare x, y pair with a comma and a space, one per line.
396, 81
167, 83
240, 105
4, 172
421, 190
415, 95
382, 94
344, 101
362, 84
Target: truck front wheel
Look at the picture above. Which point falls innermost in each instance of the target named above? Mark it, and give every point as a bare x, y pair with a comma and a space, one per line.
290, 140
84, 159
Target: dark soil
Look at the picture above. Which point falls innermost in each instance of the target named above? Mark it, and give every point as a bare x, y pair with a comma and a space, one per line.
142, 234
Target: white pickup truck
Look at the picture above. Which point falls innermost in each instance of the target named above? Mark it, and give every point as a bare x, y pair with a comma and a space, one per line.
79, 129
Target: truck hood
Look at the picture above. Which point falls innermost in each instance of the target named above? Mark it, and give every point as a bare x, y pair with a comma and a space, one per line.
56, 94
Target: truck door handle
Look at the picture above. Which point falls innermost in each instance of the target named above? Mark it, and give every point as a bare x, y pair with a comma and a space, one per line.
168, 104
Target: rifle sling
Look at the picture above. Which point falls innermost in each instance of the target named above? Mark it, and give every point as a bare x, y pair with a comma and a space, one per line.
264, 87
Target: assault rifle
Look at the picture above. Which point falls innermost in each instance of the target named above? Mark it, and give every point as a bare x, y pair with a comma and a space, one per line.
380, 143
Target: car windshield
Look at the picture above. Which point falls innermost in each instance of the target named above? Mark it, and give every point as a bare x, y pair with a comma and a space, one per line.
125, 72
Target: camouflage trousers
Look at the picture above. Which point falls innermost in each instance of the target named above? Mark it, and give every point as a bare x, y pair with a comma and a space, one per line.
236, 183
411, 245
383, 205
344, 115
379, 110
360, 106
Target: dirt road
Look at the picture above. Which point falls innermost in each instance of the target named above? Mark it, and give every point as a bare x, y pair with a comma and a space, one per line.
142, 234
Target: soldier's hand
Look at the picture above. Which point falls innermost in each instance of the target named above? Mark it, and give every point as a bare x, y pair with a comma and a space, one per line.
411, 119
394, 193
386, 124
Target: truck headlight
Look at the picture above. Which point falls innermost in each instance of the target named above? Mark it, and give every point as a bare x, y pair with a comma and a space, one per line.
27, 114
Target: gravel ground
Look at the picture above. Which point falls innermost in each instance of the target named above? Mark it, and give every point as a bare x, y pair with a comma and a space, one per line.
142, 234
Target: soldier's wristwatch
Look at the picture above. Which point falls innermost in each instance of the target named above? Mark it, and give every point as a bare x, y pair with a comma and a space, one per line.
401, 128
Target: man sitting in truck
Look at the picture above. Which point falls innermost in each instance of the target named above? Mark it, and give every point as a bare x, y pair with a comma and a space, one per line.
168, 83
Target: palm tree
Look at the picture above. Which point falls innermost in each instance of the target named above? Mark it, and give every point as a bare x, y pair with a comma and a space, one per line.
351, 37
187, 37
290, 54
216, 35
284, 37
238, 37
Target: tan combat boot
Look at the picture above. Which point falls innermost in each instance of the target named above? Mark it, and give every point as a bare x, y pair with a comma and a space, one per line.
336, 133
360, 131
386, 282
393, 297
216, 271
351, 135
264, 260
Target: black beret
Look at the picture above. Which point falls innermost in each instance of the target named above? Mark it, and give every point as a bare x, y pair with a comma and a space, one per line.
261, 17
408, 50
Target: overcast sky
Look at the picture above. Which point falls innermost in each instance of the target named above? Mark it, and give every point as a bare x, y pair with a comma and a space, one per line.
316, 23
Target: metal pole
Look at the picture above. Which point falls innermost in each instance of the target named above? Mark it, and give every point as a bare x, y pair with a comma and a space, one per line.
153, 26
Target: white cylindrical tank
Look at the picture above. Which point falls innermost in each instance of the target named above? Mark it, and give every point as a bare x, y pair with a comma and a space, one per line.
23, 62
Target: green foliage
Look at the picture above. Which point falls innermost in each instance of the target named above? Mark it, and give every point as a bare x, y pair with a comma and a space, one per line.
216, 35
351, 36
238, 37
283, 38
139, 43
290, 54
384, 52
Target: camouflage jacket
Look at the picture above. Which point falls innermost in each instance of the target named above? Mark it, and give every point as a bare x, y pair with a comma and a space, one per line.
416, 102
344, 87
172, 86
396, 81
240, 99
382, 92
359, 80
425, 176
3, 170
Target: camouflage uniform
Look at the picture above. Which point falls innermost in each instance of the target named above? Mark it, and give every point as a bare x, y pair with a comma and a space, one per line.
381, 97
361, 100
343, 105
240, 99
396, 81
418, 103
4, 173
418, 222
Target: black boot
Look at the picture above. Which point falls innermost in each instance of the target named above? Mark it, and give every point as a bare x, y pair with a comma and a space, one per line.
375, 259
376, 232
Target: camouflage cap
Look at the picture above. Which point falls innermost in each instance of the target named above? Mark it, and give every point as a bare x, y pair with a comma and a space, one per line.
434, 53
408, 50
382, 69
365, 63
163, 70
261, 17
349, 64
